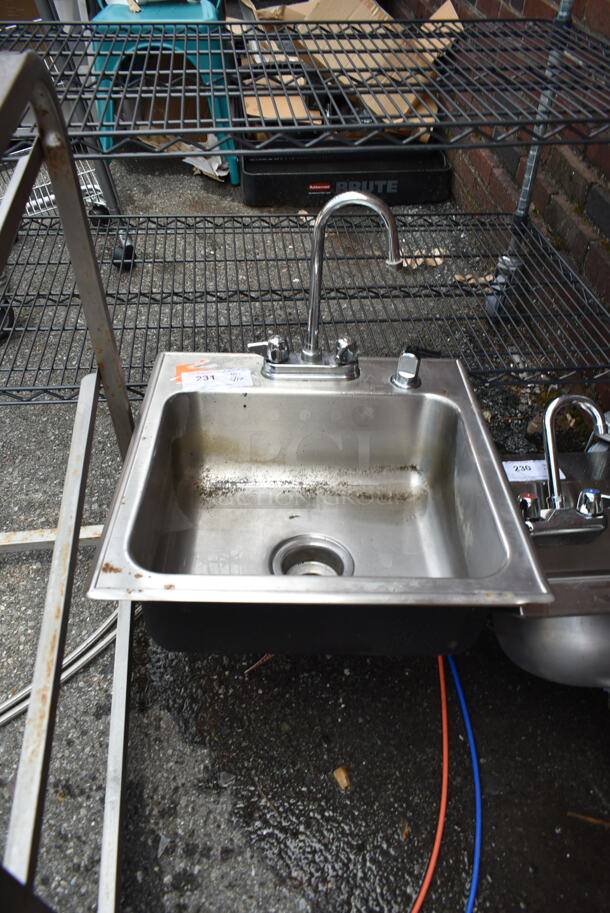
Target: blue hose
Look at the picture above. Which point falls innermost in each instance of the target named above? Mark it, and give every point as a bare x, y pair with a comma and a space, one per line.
478, 805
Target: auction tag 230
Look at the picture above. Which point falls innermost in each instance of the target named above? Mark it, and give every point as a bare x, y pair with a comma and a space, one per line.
527, 470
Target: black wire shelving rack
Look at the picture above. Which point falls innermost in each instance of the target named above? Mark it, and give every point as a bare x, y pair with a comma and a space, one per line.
298, 87
215, 283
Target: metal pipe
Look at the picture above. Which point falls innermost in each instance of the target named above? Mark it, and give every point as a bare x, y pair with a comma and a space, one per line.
69, 670
555, 498
561, 22
36, 540
28, 803
108, 886
72, 664
15, 198
311, 350
24, 78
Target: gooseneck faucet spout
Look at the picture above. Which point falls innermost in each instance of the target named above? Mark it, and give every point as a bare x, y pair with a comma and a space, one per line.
555, 498
311, 350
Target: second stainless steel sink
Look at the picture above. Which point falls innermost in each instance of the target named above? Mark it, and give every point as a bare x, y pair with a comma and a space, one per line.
272, 499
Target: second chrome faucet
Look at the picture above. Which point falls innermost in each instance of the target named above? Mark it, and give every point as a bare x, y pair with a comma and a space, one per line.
312, 361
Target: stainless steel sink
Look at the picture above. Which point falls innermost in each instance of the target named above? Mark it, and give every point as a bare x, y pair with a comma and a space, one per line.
343, 496
567, 641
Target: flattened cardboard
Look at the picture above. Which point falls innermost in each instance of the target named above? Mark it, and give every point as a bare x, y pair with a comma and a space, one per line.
288, 13
320, 11
280, 108
395, 108
357, 63
347, 11
430, 48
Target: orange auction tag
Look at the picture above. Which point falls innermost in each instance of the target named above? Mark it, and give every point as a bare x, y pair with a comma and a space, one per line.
189, 366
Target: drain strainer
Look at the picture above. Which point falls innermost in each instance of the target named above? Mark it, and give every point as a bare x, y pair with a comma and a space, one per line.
313, 556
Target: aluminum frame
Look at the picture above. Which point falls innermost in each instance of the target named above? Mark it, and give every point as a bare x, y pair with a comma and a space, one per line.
25, 79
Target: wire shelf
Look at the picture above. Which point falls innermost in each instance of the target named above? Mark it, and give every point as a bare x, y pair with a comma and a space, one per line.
298, 87
215, 283
42, 197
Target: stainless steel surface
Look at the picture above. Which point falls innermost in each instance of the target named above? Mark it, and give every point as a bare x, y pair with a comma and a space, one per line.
529, 505
556, 526
555, 498
312, 555
277, 349
569, 649
109, 880
311, 349
590, 502
28, 803
568, 641
406, 375
577, 558
34, 540
346, 350
327, 368
409, 485
24, 79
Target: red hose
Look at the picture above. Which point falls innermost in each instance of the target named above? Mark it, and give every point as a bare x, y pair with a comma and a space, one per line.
440, 825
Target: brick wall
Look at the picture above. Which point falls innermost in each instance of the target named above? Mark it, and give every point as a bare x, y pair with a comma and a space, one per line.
571, 196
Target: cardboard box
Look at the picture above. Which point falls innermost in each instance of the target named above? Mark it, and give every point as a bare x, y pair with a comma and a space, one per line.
320, 11
339, 55
362, 65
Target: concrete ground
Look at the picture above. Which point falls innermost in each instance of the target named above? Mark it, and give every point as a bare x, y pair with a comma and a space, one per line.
232, 805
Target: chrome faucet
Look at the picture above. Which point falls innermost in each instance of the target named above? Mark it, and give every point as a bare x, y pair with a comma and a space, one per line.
555, 498
311, 350
311, 361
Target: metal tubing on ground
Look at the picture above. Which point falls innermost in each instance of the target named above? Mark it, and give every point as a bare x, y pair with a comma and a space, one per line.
28, 803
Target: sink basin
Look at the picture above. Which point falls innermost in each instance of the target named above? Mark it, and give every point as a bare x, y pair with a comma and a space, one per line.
341, 515
568, 641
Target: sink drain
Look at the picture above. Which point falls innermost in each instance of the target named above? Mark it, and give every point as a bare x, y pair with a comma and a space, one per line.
312, 556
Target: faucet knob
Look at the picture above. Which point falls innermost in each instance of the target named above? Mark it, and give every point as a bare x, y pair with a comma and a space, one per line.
346, 350
275, 350
278, 349
406, 375
529, 506
590, 502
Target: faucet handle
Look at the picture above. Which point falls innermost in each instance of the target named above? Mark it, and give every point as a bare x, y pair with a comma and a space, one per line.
590, 502
346, 350
278, 349
406, 375
274, 350
258, 348
529, 505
